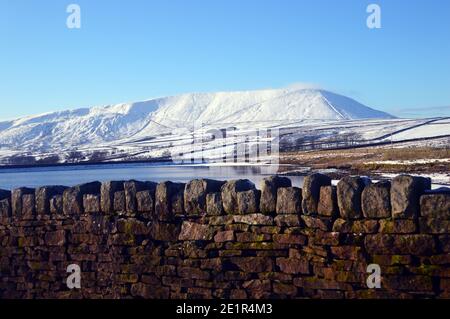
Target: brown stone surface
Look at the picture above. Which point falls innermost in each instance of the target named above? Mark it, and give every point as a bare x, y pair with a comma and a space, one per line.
146, 201
73, 197
405, 195
56, 205
293, 266
400, 244
434, 225
43, 196
164, 231
248, 202
290, 220
168, 200
214, 206
194, 231
289, 200
376, 200
349, 191
5, 208
229, 193
224, 236
269, 188
311, 192
16, 200
91, 203
119, 202
253, 219
195, 194
435, 205
328, 201
131, 188
107, 191
398, 226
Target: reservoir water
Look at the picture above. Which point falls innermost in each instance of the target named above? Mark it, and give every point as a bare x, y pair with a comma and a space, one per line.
77, 174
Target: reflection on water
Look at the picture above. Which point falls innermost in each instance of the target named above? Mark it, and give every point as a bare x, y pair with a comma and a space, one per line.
73, 175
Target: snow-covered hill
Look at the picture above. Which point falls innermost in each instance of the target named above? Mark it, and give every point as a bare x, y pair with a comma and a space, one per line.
86, 127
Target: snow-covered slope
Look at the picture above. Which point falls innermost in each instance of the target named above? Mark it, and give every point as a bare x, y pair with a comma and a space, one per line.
84, 127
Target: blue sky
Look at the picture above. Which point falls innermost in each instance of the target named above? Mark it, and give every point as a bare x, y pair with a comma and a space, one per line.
134, 50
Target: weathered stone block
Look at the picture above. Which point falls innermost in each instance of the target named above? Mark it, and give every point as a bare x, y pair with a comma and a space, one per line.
326, 238
349, 190
435, 205
229, 193
419, 244
376, 200
5, 205
164, 231
284, 289
55, 238
119, 202
194, 231
145, 201
169, 200
28, 206
248, 202
311, 192
328, 201
253, 219
323, 223
73, 197
91, 203
289, 200
408, 283
43, 195
131, 188
177, 199
390, 260
224, 236
195, 193
193, 273
405, 195
269, 188
253, 264
5, 208
56, 205
293, 266
444, 243
355, 226
16, 200
291, 239
132, 226
107, 191
398, 226
287, 220
153, 291
214, 206
248, 237
347, 252
434, 225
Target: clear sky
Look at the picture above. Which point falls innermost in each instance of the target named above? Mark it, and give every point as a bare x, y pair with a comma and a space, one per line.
139, 49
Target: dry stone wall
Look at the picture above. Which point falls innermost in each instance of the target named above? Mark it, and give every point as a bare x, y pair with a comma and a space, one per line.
213, 239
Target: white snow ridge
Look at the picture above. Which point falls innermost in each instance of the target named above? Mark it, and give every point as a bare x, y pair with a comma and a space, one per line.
89, 127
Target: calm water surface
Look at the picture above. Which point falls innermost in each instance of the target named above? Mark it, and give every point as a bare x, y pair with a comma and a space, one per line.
72, 175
